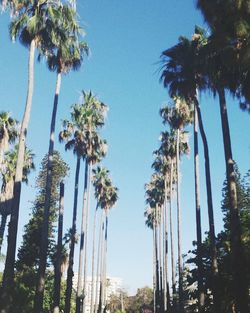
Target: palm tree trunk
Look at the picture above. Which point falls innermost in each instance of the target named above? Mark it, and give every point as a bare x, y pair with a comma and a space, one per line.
201, 294
2, 229
38, 303
79, 293
166, 300
70, 272
100, 304
93, 263
8, 276
238, 258
154, 269
86, 237
105, 261
98, 265
171, 234
180, 261
160, 256
213, 249
58, 272
157, 272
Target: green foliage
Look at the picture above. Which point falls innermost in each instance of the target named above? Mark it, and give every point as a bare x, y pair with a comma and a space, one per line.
224, 281
28, 253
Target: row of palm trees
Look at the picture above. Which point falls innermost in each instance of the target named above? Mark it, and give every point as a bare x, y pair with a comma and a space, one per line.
216, 62
52, 28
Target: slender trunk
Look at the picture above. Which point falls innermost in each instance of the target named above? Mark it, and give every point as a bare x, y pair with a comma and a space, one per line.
98, 263
105, 262
2, 229
93, 263
70, 272
166, 298
213, 249
157, 272
154, 269
238, 259
160, 256
58, 272
171, 234
38, 303
79, 292
180, 261
8, 276
86, 237
100, 305
201, 294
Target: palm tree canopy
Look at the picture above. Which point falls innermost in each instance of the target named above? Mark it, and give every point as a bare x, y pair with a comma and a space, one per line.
81, 131
8, 130
10, 160
65, 49
105, 193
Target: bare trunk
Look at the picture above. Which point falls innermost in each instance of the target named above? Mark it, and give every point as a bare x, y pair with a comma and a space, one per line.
157, 272
98, 264
58, 271
213, 249
79, 293
8, 276
86, 237
105, 262
38, 302
238, 258
93, 263
70, 272
166, 300
171, 233
180, 261
154, 269
201, 294
100, 304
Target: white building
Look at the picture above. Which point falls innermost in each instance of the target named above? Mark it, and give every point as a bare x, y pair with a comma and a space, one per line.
114, 286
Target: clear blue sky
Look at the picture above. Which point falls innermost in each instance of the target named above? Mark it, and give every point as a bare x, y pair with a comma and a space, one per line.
126, 39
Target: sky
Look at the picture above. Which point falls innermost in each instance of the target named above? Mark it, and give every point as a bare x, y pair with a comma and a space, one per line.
126, 39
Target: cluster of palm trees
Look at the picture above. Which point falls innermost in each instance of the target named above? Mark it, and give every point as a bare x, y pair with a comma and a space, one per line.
52, 28
217, 61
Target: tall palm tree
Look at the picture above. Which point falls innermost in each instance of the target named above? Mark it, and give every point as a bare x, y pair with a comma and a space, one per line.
65, 52
72, 135
29, 26
100, 180
108, 199
155, 197
92, 114
221, 70
8, 133
178, 116
182, 75
8, 177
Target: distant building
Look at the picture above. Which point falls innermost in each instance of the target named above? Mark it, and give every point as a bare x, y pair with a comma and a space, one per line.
114, 286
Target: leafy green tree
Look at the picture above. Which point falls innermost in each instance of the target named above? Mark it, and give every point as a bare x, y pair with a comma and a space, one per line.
29, 252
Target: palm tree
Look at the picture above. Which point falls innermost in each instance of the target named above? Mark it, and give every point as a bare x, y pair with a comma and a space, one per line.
108, 199
92, 115
8, 177
221, 70
64, 53
29, 26
181, 75
72, 134
155, 197
8, 133
177, 117
100, 180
